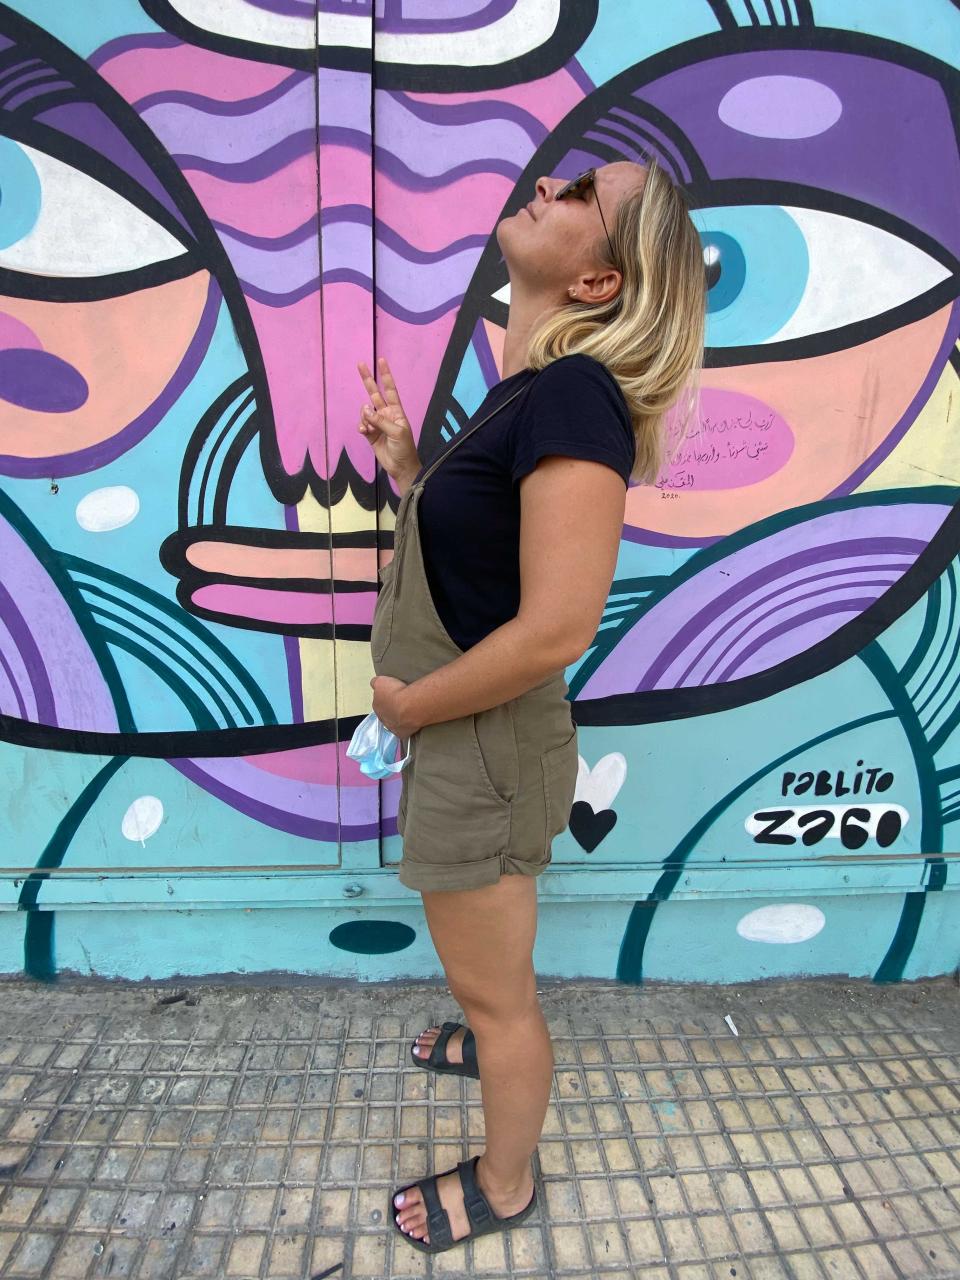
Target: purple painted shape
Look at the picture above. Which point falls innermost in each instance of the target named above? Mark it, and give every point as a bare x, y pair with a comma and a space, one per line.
279, 807
740, 648
709, 614
619, 143
67, 684
449, 115
894, 147
233, 139
213, 107
89, 125
20, 80
11, 697
422, 16
29, 92
310, 809
787, 107
701, 667
819, 624
22, 662
40, 381
288, 240
389, 304
14, 333
580, 77
262, 166
431, 284
465, 132
287, 8
277, 271
481, 345
658, 143
105, 451
124, 44
397, 171
271, 299
659, 647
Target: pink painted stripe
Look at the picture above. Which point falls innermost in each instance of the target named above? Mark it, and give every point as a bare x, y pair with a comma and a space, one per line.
273, 206
292, 608
139, 72
469, 206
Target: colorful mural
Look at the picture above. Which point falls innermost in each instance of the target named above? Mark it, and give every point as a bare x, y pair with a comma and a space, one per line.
209, 214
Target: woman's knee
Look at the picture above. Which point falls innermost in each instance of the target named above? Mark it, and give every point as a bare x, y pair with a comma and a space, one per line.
495, 1002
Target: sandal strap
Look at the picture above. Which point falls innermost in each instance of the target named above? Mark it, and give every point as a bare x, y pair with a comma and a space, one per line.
438, 1054
469, 1048
475, 1202
438, 1220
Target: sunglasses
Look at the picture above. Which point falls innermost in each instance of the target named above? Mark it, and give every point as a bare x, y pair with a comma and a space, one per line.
577, 187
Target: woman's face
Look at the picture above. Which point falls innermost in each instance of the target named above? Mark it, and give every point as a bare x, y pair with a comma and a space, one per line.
549, 244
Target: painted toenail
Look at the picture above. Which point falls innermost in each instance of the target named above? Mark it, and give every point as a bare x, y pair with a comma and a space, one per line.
398, 1200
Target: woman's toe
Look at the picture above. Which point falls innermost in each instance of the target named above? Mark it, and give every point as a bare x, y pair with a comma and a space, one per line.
425, 1042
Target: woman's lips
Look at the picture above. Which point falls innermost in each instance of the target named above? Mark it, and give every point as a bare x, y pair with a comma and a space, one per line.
530, 211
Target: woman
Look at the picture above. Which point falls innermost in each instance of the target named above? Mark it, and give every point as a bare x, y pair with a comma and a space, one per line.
502, 565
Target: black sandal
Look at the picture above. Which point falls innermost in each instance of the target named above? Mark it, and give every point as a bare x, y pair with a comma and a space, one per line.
481, 1217
438, 1054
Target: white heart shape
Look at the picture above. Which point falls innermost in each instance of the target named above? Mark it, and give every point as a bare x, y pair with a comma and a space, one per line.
599, 786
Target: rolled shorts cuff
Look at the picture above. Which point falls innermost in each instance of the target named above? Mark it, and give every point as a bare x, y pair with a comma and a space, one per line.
430, 877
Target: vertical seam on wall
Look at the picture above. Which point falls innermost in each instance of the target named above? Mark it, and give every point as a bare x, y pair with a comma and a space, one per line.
379, 476
326, 420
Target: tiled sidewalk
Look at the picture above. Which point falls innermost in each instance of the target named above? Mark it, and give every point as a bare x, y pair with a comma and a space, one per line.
257, 1132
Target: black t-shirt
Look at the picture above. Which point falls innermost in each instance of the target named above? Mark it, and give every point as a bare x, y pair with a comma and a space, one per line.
470, 507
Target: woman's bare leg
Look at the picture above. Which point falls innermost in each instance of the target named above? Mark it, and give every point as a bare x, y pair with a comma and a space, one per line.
484, 938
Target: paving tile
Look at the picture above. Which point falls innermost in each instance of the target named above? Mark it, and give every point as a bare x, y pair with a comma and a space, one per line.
820, 1144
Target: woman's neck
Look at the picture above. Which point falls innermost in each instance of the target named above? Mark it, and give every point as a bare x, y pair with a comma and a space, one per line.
526, 312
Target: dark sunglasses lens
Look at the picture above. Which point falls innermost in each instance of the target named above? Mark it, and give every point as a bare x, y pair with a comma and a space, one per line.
576, 186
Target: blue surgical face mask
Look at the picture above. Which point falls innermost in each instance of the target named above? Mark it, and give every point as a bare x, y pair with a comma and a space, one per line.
374, 747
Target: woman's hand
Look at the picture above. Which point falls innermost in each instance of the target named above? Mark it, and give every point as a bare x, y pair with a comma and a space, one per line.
385, 425
390, 706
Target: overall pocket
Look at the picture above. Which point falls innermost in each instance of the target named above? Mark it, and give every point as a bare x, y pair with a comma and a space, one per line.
560, 766
453, 814
498, 755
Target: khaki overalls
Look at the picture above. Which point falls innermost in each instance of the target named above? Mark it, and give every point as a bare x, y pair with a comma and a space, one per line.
482, 795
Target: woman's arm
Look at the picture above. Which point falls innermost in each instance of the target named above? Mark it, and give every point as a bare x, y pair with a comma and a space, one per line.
571, 518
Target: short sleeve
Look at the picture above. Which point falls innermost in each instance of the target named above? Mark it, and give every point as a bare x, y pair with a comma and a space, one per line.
574, 408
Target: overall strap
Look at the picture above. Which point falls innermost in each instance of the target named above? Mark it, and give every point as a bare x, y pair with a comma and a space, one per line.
460, 439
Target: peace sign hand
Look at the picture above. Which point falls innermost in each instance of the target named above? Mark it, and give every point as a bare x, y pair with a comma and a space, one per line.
384, 424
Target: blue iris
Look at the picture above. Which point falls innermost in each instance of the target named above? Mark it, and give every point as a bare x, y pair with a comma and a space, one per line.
20, 193
757, 271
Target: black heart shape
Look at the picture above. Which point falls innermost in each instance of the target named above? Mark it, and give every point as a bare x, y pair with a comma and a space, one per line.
589, 828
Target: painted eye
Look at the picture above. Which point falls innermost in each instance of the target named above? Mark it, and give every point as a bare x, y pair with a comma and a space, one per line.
56, 221
779, 274
470, 34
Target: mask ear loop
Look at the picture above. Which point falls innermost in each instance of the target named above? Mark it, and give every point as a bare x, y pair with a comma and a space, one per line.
371, 745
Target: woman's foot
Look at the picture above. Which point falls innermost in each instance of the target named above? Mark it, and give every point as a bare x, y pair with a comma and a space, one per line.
426, 1039
411, 1214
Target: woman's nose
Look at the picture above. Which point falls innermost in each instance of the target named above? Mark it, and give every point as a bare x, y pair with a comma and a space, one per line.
545, 188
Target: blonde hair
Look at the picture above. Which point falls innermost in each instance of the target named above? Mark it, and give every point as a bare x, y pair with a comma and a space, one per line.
650, 335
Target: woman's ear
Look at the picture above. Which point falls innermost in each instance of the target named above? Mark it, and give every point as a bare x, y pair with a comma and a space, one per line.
599, 287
